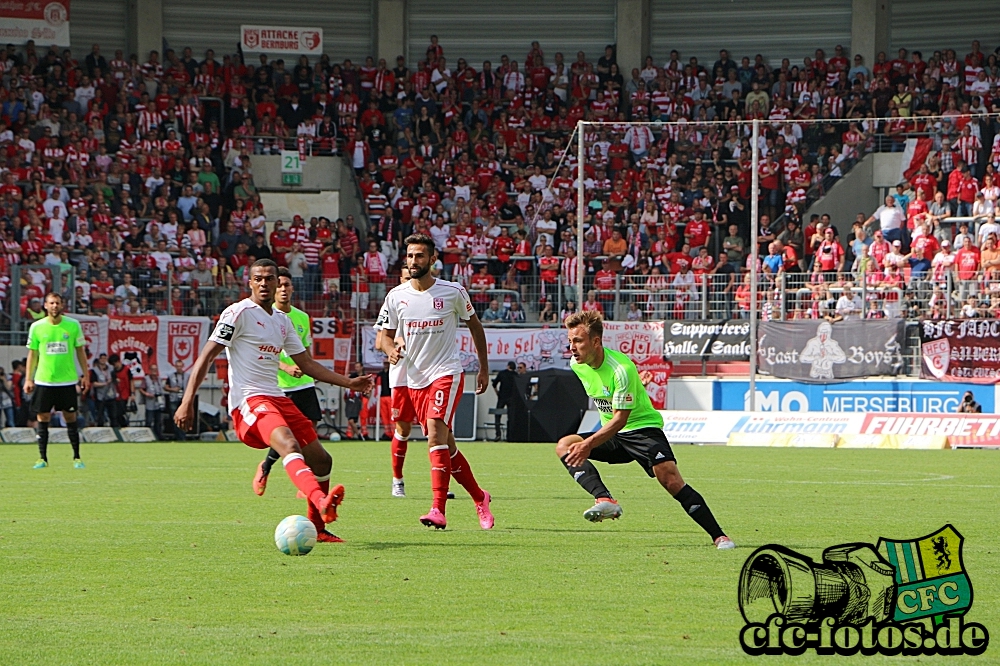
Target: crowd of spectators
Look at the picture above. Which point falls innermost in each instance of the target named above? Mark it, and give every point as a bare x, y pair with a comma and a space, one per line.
136, 177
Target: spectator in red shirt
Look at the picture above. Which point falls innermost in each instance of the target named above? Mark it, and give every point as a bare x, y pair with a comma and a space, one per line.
967, 267
480, 286
697, 232
968, 187
123, 379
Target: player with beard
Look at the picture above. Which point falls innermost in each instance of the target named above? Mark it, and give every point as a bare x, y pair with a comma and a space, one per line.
253, 333
425, 311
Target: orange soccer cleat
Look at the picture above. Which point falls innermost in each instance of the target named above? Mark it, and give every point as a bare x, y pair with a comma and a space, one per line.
328, 507
260, 480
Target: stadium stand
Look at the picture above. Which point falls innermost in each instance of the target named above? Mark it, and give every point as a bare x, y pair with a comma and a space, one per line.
130, 184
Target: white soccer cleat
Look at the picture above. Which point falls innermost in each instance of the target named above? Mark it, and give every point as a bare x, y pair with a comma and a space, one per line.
605, 509
724, 543
397, 489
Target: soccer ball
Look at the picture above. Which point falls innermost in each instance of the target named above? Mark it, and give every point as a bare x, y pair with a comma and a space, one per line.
295, 535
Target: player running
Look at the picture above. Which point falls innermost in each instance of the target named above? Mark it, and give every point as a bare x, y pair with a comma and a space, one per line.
630, 429
426, 311
55, 346
253, 333
298, 387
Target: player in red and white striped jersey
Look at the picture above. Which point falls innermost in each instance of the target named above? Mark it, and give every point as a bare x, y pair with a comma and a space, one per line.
253, 333
424, 312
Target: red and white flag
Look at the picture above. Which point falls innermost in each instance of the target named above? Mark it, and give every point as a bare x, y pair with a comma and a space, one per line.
914, 156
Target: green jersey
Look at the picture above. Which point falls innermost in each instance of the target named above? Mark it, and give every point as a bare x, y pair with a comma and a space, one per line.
303, 328
616, 385
56, 346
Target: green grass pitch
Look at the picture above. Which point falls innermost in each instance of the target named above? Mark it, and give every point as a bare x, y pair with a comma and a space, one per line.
161, 554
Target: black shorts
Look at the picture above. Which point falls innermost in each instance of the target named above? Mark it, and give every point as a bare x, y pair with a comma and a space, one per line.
307, 402
62, 398
352, 408
646, 446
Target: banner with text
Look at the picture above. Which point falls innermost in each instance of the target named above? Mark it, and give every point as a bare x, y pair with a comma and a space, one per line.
960, 351
716, 340
46, 22
546, 348
812, 428
281, 39
329, 345
145, 339
865, 395
819, 352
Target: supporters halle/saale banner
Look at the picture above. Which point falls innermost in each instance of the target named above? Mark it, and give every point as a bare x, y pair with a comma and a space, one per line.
143, 340
820, 351
960, 351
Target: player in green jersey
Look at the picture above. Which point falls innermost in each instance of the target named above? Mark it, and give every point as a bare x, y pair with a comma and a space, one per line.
55, 348
631, 429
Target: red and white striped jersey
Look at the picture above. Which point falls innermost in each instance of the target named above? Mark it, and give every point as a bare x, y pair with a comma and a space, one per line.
481, 247
462, 274
569, 269
968, 147
148, 121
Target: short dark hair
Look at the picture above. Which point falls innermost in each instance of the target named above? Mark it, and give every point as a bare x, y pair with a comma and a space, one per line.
264, 263
421, 239
113, 358
52, 293
511, 365
284, 272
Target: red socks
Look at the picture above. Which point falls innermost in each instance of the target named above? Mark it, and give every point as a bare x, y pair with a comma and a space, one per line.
303, 478
312, 513
398, 448
463, 474
440, 475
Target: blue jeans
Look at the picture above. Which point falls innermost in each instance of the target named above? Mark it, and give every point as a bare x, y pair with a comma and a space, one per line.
891, 235
8, 414
299, 285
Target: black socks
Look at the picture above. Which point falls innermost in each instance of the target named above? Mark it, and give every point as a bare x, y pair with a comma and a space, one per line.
42, 435
73, 431
586, 475
694, 505
272, 457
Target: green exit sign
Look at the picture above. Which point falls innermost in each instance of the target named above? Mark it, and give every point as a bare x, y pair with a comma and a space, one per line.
291, 179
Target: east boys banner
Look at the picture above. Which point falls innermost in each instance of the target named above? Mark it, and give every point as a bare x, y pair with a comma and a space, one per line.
46, 22
960, 351
143, 340
818, 351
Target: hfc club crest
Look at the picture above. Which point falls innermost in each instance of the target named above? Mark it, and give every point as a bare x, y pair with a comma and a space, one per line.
439, 304
930, 576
